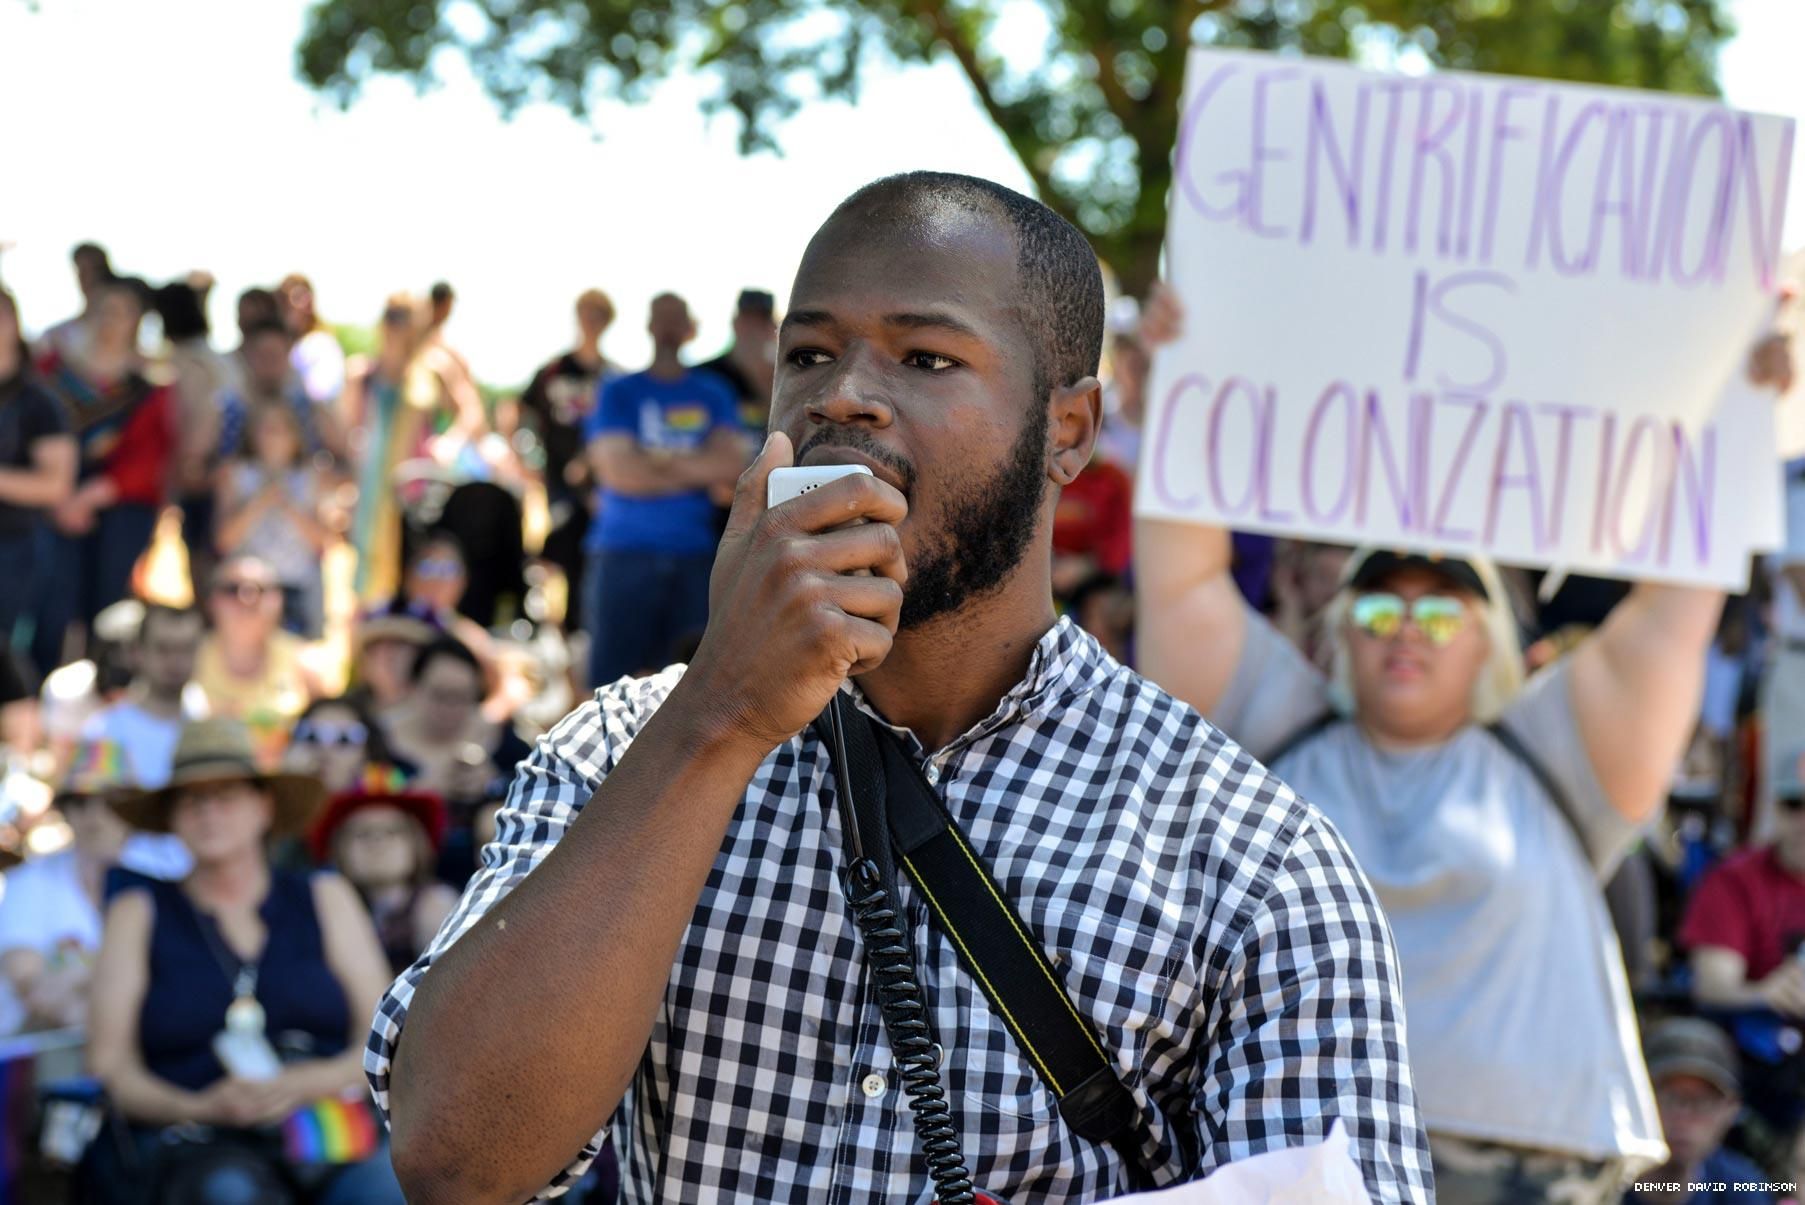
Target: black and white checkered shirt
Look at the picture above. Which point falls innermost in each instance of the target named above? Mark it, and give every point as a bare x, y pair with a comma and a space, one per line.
1211, 926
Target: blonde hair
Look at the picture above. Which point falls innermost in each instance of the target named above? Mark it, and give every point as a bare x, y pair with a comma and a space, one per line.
1500, 678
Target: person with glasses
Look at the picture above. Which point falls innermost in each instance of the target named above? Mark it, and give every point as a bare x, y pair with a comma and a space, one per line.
249, 668
1697, 1086
441, 729
336, 741
227, 1012
1487, 811
384, 837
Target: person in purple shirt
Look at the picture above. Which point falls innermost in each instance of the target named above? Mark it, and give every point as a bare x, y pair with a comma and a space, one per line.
658, 441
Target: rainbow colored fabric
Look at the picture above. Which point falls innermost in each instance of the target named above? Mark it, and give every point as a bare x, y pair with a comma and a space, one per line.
331, 1131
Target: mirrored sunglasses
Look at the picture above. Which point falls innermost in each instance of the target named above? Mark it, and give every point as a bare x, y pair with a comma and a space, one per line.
1439, 617
325, 732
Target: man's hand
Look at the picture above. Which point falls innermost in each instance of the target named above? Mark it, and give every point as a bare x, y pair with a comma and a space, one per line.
1784, 989
788, 620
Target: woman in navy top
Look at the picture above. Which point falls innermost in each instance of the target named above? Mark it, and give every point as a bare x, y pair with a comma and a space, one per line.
237, 998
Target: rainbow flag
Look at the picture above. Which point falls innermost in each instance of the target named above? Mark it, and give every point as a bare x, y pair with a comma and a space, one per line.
331, 1131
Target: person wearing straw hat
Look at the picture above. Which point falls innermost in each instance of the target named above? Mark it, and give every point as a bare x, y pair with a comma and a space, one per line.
384, 838
235, 1000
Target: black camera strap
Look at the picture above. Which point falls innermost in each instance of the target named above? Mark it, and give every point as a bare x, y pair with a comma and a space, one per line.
894, 816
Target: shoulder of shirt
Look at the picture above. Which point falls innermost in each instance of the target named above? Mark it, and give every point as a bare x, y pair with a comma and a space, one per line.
1242, 794
623, 706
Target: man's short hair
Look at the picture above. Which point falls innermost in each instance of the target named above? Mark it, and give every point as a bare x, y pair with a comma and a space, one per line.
262, 327
595, 299
758, 302
441, 292
155, 613
95, 251
1061, 306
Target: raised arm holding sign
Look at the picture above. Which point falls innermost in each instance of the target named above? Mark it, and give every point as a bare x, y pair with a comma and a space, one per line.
1449, 318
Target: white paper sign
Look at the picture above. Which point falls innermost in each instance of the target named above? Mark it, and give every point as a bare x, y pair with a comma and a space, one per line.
1323, 1173
1470, 313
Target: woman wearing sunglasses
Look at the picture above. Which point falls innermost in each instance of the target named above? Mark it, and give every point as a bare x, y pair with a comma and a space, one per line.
1487, 812
336, 740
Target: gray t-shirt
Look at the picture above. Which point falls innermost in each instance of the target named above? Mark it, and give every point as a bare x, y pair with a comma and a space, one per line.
1521, 1028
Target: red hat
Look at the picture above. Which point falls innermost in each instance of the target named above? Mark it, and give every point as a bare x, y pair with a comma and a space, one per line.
382, 786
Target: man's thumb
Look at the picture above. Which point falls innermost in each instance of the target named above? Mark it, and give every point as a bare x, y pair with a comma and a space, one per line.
749, 494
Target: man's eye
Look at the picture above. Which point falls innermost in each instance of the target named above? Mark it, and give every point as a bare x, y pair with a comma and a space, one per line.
807, 357
931, 362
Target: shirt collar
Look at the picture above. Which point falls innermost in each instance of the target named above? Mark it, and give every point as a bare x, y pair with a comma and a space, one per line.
1066, 661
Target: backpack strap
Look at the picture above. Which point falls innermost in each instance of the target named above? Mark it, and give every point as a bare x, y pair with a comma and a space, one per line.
1302, 736
1513, 745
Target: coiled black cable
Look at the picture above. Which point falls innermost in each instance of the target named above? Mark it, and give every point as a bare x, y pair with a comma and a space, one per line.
904, 1008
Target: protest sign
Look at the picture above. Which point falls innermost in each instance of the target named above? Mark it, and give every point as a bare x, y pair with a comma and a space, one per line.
1472, 314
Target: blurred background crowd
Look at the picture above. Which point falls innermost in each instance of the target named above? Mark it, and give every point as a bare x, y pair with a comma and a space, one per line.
298, 592
361, 573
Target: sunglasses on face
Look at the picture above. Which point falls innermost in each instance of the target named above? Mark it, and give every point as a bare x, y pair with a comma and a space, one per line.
325, 732
1439, 617
245, 594
438, 569
1791, 803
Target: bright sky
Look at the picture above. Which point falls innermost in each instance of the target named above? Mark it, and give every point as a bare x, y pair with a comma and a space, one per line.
176, 135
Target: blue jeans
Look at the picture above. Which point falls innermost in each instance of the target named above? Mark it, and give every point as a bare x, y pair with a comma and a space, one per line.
81, 576
640, 605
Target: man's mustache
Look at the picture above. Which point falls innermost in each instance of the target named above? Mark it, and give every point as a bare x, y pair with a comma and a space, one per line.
858, 440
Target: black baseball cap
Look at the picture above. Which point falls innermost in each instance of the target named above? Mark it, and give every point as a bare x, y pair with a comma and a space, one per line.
1696, 1047
756, 301
1382, 563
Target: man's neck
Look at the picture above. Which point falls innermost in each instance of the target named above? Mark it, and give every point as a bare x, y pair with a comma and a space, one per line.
589, 355
941, 679
1790, 856
156, 702
667, 366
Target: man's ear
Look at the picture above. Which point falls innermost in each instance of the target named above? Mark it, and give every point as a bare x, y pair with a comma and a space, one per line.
1074, 420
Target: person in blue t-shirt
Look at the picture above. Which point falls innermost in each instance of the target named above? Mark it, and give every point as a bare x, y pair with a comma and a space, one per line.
659, 440
1698, 1086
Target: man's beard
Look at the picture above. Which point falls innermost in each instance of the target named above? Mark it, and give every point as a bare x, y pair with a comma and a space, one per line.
987, 528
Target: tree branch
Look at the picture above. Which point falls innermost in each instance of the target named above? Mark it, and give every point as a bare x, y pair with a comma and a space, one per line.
967, 56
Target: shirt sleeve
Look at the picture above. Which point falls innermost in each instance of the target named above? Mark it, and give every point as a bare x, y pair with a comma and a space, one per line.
138, 465
43, 418
614, 413
1542, 718
1719, 915
549, 792
1308, 1028
1274, 694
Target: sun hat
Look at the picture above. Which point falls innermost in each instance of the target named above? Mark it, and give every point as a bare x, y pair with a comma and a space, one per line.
220, 751
382, 786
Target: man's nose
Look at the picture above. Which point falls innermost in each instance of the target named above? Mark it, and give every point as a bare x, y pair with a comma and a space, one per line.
858, 392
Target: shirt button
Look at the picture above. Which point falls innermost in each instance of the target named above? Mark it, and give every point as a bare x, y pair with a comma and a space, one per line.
873, 1085
932, 772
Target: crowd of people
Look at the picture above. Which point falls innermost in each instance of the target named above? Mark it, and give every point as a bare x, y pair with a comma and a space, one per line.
237, 807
